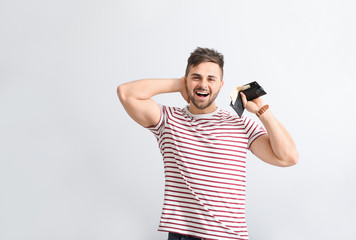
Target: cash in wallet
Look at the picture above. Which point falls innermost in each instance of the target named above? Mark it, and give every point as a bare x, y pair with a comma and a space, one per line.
252, 90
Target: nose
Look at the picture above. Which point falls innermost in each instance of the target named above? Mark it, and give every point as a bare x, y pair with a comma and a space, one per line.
204, 83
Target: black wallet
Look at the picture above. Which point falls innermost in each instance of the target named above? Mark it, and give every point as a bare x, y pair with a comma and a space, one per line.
252, 90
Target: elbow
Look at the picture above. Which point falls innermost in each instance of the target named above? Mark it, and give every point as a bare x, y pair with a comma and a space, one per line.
121, 92
295, 158
291, 160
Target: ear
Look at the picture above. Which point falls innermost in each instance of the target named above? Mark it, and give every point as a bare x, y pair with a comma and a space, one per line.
222, 83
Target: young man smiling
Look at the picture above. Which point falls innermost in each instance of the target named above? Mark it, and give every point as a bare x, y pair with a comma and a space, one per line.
204, 148
204, 82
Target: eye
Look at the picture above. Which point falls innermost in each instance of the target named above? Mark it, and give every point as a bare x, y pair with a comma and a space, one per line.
211, 79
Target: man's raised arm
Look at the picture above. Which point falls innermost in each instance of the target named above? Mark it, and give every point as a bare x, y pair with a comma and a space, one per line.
136, 98
277, 147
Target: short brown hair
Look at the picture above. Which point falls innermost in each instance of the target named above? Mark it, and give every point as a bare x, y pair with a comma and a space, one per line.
201, 55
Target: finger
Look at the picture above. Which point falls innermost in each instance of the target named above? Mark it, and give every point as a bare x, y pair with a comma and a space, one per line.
244, 99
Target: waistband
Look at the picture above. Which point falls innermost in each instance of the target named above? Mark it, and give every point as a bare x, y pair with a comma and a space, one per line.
177, 236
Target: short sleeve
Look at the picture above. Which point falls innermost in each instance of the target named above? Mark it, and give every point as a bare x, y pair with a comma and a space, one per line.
253, 130
158, 128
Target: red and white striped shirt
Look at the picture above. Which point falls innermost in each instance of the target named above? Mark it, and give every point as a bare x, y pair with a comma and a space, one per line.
205, 172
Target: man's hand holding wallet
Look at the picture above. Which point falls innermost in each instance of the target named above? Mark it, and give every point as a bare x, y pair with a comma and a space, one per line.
248, 96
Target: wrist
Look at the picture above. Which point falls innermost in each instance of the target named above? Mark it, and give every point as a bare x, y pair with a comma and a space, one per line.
262, 110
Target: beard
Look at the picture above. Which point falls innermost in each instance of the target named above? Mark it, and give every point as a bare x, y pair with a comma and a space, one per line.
199, 104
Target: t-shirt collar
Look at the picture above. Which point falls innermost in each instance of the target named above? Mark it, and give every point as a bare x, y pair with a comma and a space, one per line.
197, 116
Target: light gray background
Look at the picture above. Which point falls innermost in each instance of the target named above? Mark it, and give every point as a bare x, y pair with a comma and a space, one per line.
73, 165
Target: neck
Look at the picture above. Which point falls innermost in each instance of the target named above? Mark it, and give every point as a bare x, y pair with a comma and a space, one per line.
194, 110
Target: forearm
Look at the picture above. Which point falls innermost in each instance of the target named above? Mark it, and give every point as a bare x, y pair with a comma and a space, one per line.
136, 98
281, 142
147, 88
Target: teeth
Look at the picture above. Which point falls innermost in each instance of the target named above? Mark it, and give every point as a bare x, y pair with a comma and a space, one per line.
203, 93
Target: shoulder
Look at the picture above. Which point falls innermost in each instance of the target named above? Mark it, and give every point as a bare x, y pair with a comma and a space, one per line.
173, 113
172, 110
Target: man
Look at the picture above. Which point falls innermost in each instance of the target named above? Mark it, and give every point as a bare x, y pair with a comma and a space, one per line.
204, 148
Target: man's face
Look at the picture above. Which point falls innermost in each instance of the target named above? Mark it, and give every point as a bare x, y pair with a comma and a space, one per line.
203, 85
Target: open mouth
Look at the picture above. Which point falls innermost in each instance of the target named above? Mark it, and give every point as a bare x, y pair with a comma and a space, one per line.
202, 94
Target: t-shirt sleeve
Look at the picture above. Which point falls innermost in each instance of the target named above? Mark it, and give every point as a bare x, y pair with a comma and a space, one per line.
158, 128
253, 130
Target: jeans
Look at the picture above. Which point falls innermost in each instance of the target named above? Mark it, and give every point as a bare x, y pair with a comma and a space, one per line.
177, 236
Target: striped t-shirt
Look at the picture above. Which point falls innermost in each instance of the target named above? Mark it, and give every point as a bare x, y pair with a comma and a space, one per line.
205, 172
